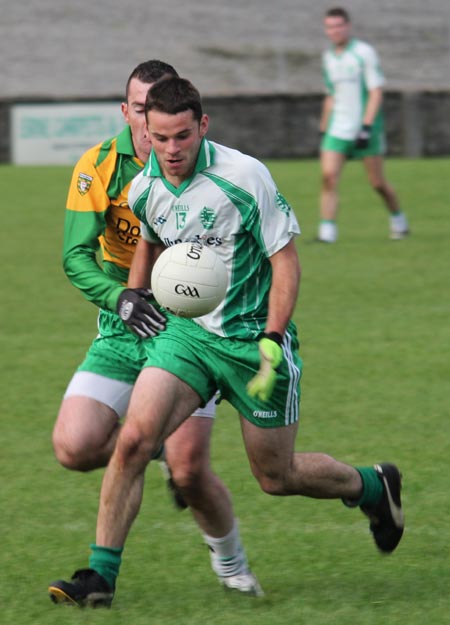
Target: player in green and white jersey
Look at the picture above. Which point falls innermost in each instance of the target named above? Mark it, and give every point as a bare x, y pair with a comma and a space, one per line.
222, 202
99, 220
352, 123
196, 190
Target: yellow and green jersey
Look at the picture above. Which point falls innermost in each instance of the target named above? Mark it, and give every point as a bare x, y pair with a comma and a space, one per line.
99, 225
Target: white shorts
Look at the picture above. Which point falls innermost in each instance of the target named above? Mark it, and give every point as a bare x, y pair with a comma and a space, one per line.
116, 394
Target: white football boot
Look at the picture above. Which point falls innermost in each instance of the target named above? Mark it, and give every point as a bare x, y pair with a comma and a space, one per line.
244, 582
235, 574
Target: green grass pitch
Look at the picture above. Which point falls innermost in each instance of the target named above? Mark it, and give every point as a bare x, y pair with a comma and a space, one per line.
373, 317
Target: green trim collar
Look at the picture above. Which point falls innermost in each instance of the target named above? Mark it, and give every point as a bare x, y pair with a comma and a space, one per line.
205, 159
125, 142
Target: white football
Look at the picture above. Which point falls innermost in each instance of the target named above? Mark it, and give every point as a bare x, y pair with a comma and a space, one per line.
189, 280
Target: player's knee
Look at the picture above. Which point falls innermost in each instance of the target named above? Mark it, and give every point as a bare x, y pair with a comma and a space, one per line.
185, 480
189, 464
68, 456
134, 448
187, 474
378, 185
329, 181
271, 483
272, 486
64, 458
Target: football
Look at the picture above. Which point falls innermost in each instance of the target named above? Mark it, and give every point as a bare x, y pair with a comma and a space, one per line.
189, 280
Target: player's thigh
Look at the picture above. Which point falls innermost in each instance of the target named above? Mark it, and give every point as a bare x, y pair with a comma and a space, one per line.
160, 403
269, 450
191, 440
83, 423
189, 446
105, 389
90, 411
116, 353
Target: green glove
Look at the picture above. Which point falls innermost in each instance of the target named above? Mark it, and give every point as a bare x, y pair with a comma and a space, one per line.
271, 355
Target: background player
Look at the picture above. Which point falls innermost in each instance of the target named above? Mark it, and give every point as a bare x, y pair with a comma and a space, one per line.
352, 123
98, 218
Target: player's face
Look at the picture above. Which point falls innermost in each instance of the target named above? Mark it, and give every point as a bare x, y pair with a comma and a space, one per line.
176, 141
133, 112
337, 30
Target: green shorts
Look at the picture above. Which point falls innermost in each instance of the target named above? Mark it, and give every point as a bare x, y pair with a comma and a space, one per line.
116, 352
117, 356
207, 362
376, 147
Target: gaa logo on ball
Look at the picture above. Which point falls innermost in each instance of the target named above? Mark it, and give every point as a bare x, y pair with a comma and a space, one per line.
188, 291
189, 280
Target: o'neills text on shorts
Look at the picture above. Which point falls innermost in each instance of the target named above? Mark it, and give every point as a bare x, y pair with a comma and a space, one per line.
265, 414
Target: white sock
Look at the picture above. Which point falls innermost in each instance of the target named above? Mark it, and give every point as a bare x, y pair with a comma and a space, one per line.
328, 231
399, 222
227, 554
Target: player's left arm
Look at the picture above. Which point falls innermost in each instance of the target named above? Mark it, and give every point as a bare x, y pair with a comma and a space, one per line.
373, 105
327, 108
274, 225
282, 299
286, 272
374, 82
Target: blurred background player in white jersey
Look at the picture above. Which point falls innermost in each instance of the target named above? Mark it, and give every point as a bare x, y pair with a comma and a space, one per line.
352, 123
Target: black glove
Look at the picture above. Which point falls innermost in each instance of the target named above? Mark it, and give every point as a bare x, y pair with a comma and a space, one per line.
363, 137
139, 315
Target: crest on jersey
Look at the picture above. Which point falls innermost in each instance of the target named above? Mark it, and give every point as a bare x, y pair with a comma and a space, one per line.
282, 204
84, 183
207, 217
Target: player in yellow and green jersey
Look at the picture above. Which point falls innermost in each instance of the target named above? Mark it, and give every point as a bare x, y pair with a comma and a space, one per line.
100, 224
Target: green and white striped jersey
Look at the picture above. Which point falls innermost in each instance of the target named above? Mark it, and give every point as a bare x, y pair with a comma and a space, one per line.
232, 205
349, 76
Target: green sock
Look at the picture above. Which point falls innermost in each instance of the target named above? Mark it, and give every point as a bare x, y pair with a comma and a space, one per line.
372, 487
106, 561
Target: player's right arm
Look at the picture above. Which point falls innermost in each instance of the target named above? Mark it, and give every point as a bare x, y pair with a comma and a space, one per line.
327, 107
143, 260
87, 204
328, 101
149, 246
134, 306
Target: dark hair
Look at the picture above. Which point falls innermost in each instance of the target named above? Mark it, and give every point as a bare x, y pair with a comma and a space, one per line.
338, 12
149, 72
174, 95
